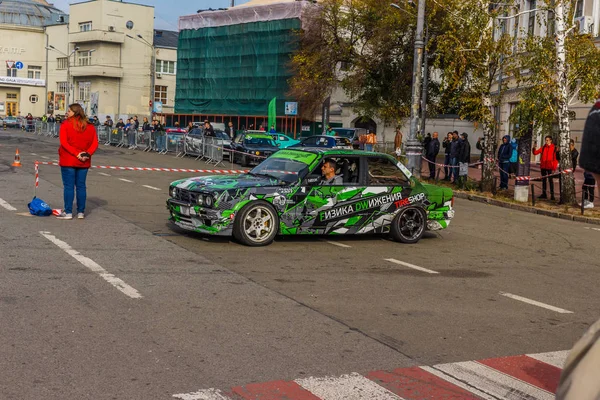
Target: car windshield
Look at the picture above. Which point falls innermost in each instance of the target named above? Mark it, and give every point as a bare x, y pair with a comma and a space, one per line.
341, 141
286, 166
261, 141
346, 133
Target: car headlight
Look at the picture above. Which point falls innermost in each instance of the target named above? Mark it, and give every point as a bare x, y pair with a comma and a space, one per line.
257, 153
200, 200
209, 201
173, 191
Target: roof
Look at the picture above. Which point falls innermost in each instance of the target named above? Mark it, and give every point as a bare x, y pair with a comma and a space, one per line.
164, 38
324, 151
36, 13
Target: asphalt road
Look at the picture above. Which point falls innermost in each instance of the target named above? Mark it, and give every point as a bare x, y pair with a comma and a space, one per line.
213, 313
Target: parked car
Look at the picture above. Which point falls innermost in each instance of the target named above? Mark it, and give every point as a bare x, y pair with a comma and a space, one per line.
283, 141
11, 122
286, 195
195, 140
252, 148
322, 141
353, 134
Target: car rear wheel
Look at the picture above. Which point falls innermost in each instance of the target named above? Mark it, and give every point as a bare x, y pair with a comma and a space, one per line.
256, 224
409, 225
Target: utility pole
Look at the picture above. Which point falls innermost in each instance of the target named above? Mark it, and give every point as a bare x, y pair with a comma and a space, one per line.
414, 149
232, 3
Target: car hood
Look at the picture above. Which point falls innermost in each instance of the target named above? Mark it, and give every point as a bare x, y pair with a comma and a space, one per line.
224, 182
261, 147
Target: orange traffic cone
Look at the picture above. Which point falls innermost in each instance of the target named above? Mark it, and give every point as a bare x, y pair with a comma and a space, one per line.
17, 162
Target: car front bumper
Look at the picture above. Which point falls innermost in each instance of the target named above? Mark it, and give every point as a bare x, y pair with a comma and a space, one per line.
199, 219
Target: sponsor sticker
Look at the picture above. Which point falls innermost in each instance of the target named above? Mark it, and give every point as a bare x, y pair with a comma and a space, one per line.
361, 205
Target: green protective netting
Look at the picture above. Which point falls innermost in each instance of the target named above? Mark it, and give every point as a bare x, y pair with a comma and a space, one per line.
235, 69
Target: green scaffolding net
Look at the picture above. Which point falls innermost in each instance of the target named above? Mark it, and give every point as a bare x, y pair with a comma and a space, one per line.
235, 69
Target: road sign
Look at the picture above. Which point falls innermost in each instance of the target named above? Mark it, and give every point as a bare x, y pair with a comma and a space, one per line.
10, 64
19, 65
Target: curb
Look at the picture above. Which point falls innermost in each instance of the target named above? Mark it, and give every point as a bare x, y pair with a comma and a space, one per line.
529, 209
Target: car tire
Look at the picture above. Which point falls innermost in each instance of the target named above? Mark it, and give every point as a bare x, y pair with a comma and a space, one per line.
409, 225
251, 221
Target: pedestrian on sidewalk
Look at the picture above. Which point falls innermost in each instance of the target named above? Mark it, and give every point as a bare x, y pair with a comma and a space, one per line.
464, 158
504, 155
514, 157
446, 145
78, 142
371, 139
589, 184
574, 154
548, 165
131, 132
431, 152
398, 143
454, 148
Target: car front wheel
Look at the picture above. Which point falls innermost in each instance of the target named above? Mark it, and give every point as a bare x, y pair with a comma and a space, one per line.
409, 225
256, 224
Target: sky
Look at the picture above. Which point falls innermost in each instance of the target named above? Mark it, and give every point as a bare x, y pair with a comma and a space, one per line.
166, 12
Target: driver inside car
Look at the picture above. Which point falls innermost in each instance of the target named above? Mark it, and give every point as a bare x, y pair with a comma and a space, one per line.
328, 172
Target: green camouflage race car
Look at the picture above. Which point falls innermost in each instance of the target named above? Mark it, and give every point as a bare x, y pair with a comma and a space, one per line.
288, 194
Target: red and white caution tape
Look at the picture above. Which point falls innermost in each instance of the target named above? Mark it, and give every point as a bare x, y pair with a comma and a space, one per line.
156, 169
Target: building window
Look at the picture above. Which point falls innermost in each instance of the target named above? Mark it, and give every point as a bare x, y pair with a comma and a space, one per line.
165, 67
11, 96
84, 58
62, 63
62, 87
11, 72
85, 26
531, 18
579, 9
84, 91
34, 72
551, 28
160, 94
33, 98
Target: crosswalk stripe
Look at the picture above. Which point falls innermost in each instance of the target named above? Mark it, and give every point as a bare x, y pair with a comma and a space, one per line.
527, 369
417, 384
206, 394
273, 390
493, 382
346, 387
556, 358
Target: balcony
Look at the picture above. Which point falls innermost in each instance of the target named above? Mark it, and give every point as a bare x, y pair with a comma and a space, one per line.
97, 70
97, 36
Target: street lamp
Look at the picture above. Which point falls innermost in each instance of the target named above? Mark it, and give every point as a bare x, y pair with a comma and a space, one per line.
152, 69
414, 149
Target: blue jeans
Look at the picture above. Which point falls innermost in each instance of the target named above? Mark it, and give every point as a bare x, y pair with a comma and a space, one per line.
160, 143
368, 147
454, 169
74, 178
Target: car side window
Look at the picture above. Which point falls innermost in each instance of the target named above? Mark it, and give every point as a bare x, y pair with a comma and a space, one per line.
310, 141
346, 168
384, 172
283, 138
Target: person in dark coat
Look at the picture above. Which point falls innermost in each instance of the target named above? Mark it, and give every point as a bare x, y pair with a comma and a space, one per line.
504, 155
446, 145
574, 154
464, 158
431, 152
454, 148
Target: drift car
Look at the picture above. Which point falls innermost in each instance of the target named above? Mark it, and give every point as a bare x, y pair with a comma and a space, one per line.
285, 195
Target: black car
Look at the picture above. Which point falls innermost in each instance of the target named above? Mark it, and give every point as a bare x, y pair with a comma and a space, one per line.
252, 148
327, 142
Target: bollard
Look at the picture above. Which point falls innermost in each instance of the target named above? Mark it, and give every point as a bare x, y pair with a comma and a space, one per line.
494, 188
533, 195
582, 200
437, 176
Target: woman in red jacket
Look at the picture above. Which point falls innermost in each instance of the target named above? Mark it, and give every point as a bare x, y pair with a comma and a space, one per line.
548, 165
78, 141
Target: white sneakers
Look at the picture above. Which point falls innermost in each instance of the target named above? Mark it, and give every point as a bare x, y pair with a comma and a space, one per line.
588, 204
64, 215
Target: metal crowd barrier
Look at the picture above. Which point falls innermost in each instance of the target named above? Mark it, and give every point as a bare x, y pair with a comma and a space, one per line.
116, 137
193, 146
103, 134
142, 140
213, 150
160, 142
174, 143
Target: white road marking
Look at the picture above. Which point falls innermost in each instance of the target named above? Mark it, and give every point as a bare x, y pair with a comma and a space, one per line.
458, 383
25, 214
594, 229
151, 187
125, 180
103, 174
536, 303
493, 382
55, 160
346, 387
556, 358
45, 157
206, 394
33, 154
337, 244
91, 265
393, 260
5, 204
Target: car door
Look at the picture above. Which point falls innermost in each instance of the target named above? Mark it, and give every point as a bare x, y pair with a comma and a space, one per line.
330, 209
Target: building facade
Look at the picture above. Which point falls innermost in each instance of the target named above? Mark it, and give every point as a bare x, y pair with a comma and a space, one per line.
103, 54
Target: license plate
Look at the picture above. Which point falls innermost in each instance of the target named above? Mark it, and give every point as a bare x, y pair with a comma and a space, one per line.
185, 211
